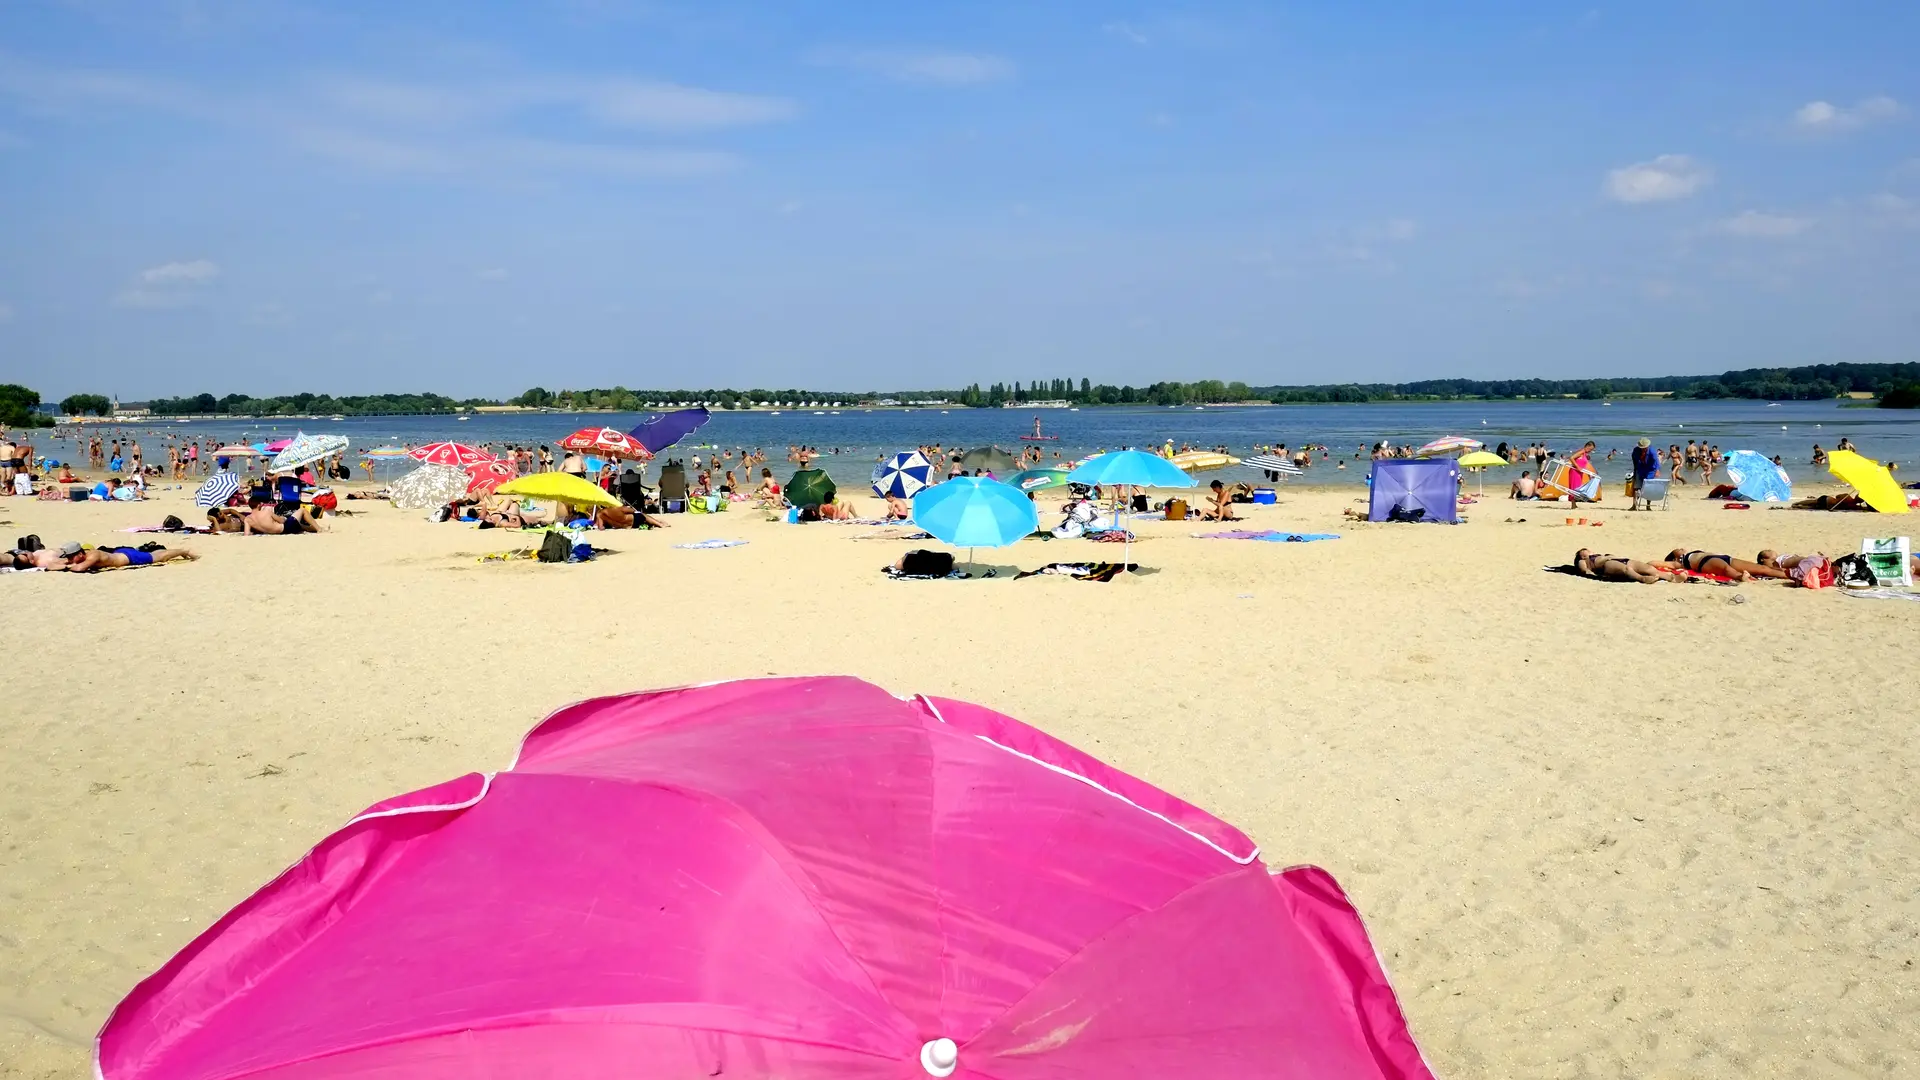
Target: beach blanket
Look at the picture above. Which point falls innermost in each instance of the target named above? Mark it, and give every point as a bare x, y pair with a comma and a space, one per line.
897, 533
894, 573
1112, 536
1686, 576
1104, 571
709, 545
1271, 535
1880, 594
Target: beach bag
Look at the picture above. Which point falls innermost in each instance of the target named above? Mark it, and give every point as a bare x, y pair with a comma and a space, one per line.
922, 563
555, 549
327, 501
1140, 504
1853, 572
28, 543
1890, 559
1176, 510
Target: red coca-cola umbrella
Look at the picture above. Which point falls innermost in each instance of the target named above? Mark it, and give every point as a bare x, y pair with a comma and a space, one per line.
606, 442
487, 475
458, 455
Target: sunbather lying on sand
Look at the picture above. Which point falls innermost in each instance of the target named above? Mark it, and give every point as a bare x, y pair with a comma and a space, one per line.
263, 520
83, 561
224, 520
1848, 501
1702, 562
827, 511
1619, 568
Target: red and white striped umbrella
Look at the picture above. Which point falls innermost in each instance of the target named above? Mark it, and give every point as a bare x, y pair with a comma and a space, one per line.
458, 455
606, 442
488, 475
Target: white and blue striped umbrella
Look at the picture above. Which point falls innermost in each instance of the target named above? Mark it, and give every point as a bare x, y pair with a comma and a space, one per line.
217, 490
902, 476
1271, 463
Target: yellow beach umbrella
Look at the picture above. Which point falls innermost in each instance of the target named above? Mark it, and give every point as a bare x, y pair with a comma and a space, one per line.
1480, 460
1876, 486
559, 487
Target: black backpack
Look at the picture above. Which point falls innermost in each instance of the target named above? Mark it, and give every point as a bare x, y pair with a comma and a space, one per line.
1852, 571
28, 543
554, 548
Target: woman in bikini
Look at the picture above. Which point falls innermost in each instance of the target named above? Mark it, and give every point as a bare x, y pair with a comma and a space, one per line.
1726, 566
1619, 568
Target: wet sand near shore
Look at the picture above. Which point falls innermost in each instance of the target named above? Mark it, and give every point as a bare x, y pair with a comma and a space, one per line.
1596, 830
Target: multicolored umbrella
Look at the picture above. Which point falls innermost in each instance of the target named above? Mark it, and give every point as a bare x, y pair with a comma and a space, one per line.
1448, 444
428, 486
385, 452
1039, 479
800, 877
306, 449
606, 442
217, 491
1875, 485
1757, 479
810, 487
236, 450
458, 455
489, 475
656, 433
991, 460
902, 476
975, 512
557, 487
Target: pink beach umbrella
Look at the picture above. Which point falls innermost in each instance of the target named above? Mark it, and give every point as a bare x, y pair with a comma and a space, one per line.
807, 878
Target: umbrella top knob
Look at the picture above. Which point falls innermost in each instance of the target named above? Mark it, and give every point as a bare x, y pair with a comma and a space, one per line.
940, 1057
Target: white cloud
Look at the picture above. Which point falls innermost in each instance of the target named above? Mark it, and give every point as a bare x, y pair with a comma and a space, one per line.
1127, 31
1756, 225
618, 102
169, 285
791, 206
1824, 116
492, 273
1887, 208
917, 66
1669, 176
177, 272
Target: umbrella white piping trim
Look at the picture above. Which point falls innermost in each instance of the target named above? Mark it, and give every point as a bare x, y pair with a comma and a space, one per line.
486, 785
1097, 786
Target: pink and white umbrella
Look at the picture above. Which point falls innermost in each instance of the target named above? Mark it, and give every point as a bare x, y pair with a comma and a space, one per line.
458, 455
1448, 444
801, 878
488, 475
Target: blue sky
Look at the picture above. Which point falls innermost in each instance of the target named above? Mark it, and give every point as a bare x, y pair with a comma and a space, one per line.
269, 195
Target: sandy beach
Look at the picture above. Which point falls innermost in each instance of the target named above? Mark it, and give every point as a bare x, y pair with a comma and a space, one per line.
1597, 830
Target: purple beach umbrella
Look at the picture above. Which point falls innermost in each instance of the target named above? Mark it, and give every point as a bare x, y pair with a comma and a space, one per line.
656, 433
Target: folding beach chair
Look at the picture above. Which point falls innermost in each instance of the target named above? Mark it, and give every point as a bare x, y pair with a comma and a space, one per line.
1652, 490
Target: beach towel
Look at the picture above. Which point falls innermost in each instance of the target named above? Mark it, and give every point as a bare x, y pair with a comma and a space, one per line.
507, 556
900, 575
898, 533
1104, 571
1114, 536
1270, 535
1880, 594
708, 545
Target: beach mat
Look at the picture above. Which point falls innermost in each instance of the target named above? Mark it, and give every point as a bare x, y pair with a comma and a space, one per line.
1270, 535
1103, 571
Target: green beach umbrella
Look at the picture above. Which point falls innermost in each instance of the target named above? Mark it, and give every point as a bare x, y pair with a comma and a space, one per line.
810, 487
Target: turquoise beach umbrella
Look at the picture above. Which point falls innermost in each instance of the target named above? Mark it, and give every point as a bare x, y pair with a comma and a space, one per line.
974, 512
1133, 468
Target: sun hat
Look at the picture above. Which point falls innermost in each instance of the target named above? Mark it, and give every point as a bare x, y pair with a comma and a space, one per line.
1646, 442
69, 549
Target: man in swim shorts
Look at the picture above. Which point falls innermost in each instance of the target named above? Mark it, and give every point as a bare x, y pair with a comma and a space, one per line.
79, 560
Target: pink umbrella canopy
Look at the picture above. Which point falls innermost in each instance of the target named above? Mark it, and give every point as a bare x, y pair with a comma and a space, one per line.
458, 455
803, 878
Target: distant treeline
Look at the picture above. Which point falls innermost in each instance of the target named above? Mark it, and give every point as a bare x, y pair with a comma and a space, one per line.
1896, 385
311, 404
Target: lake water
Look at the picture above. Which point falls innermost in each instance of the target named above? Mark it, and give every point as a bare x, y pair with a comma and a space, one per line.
1789, 429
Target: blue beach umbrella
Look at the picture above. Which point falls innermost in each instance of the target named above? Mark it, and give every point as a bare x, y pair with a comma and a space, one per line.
1133, 468
902, 476
973, 512
1757, 479
217, 490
